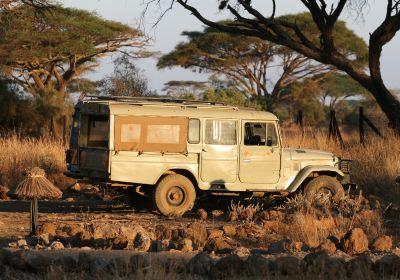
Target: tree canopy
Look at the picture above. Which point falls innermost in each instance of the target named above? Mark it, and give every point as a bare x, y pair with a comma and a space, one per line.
44, 53
251, 21
248, 59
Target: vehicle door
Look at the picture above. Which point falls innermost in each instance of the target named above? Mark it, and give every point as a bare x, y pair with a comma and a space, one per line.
219, 156
260, 153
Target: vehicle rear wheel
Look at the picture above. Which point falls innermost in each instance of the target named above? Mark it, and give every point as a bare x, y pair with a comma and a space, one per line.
323, 186
174, 195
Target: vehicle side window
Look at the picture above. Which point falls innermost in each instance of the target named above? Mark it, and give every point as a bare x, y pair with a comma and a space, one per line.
194, 131
272, 136
98, 131
260, 134
254, 134
220, 132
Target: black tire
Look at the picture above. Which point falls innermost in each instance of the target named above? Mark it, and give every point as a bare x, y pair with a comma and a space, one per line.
324, 184
174, 195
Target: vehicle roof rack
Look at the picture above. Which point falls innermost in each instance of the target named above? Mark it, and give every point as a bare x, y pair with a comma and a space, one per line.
150, 99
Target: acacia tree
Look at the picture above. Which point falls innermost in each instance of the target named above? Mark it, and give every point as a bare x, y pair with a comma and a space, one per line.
248, 60
45, 54
126, 80
325, 14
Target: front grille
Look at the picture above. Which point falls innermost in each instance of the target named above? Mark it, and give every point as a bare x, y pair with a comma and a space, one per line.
345, 166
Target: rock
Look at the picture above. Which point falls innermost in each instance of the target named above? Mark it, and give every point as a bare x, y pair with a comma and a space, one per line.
132, 232
359, 267
229, 267
160, 245
17, 260
279, 247
120, 243
47, 228
388, 266
197, 232
56, 245
233, 216
217, 213
214, 233
139, 263
296, 247
186, 245
163, 232
258, 266
22, 243
355, 242
13, 245
247, 214
202, 214
382, 244
142, 242
324, 266
3, 193
272, 215
44, 239
76, 187
287, 266
328, 247
241, 251
40, 264
241, 232
220, 245
70, 199
200, 264
4, 255
229, 230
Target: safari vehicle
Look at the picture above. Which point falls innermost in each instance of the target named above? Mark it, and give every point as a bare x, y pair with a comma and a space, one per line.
178, 149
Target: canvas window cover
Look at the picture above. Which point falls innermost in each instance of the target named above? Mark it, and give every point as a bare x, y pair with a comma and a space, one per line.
151, 134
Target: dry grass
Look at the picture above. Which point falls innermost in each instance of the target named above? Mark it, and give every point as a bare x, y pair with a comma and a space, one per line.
19, 154
376, 163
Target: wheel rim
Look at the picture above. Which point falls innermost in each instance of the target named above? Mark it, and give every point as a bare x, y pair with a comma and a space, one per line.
175, 196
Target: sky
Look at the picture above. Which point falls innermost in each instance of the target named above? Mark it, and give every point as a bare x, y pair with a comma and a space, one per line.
167, 33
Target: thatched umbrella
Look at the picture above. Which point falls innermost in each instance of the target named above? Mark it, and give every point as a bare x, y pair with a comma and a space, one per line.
35, 186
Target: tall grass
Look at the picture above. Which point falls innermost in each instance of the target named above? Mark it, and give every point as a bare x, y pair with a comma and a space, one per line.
18, 154
376, 164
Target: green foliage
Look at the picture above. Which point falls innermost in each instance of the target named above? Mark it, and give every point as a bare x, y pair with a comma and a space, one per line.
58, 34
230, 96
346, 41
126, 80
185, 89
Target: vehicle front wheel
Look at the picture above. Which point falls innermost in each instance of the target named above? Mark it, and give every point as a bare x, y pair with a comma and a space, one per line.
323, 186
174, 195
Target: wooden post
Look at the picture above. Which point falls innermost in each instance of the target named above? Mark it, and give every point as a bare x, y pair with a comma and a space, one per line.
334, 131
300, 121
34, 215
361, 125
64, 135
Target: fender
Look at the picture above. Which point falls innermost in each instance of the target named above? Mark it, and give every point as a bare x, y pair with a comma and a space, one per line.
306, 171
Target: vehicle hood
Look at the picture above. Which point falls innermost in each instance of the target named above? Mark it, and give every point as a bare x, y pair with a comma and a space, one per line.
308, 154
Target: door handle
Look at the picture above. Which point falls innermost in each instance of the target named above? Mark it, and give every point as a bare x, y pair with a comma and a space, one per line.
204, 150
247, 160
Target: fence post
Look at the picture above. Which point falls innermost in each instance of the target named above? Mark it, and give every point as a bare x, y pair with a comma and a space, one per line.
299, 121
64, 120
361, 125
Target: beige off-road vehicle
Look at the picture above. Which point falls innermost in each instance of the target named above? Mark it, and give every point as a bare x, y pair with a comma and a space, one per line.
178, 149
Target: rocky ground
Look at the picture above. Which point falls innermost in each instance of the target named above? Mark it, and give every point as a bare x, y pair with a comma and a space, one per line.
96, 233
